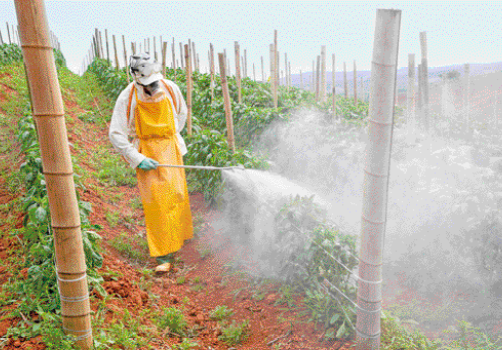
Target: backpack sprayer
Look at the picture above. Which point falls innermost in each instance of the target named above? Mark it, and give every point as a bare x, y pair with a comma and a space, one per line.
240, 167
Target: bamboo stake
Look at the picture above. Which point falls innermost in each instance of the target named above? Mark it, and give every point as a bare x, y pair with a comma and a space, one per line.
242, 61
164, 53
149, 47
318, 80
238, 70
189, 89
323, 74
245, 64
425, 82
182, 57
48, 111
345, 85
211, 62
155, 49
101, 45
262, 71
411, 96
333, 87
174, 55
276, 69
125, 61
312, 88
467, 99
286, 68
107, 49
418, 112
95, 43
1, 38
226, 101
8, 33
254, 74
198, 63
355, 83
116, 55
376, 177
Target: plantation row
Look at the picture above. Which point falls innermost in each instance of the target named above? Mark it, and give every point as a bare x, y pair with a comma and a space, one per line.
35, 290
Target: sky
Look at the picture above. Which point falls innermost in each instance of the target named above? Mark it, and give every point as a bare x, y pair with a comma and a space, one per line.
457, 32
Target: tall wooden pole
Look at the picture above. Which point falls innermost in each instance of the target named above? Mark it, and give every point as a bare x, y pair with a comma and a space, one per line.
173, 64
125, 60
116, 55
411, 95
318, 82
211, 60
289, 74
164, 54
107, 47
226, 101
418, 112
467, 100
181, 57
154, 39
323, 73
1, 38
245, 64
301, 80
254, 73
286, 82
238, 70
8, 33
48, 112
262, 71
425, 71
276, 69
312, 88
333, 87
189, 88
101, 45
355, 83
345, 80
376, 177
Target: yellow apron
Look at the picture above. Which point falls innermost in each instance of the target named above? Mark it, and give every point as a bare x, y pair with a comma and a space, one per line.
163, 191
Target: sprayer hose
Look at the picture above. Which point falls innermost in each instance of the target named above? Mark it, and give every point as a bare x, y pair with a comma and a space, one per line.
201, 167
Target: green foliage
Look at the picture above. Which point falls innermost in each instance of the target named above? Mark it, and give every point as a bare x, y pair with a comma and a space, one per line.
131, 248
235, 333
113, 81
309, 248
172, 318
186, 344
38, 292
10, 53
220, 313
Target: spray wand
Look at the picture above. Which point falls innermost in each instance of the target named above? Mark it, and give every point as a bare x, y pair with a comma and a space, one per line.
240, 167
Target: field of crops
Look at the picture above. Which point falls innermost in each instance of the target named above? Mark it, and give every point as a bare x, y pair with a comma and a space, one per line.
207, 301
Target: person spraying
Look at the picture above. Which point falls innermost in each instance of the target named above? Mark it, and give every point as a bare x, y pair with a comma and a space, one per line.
145, 128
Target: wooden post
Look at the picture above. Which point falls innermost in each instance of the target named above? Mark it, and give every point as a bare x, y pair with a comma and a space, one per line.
48, 113
211, 62
333, 87
323, 74
193, 63
376, 178
289, 74
312, 88
149, 47
226, 101
418, 112
125, 60
1, 38
254, 74
95, 43
238, 70
242, 61
467, 99
164, 54
345, 85
276, 69
189, 89
154, 39
286, 68
173, 64
245, 64
107, 47
181, 57
8, 33
101, 45
411, 96
425, 82
262, 71
116, 55
198, 63
301, 80
355, 83
318, 80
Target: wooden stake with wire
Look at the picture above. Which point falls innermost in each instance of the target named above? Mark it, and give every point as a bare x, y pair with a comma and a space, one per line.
48, 111
189, 89
227, 104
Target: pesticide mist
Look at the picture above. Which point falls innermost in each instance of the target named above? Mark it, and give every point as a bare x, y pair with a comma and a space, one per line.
442, 243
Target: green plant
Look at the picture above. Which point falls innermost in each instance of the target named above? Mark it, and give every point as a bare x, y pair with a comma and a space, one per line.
112, 217
131, 248
180, 280
186, 344
235, 333
173, 319
220, 313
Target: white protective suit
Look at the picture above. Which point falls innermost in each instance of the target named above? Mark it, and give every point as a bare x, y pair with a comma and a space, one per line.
120, 132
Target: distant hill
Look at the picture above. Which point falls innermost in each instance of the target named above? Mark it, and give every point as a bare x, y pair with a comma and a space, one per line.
402, 76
